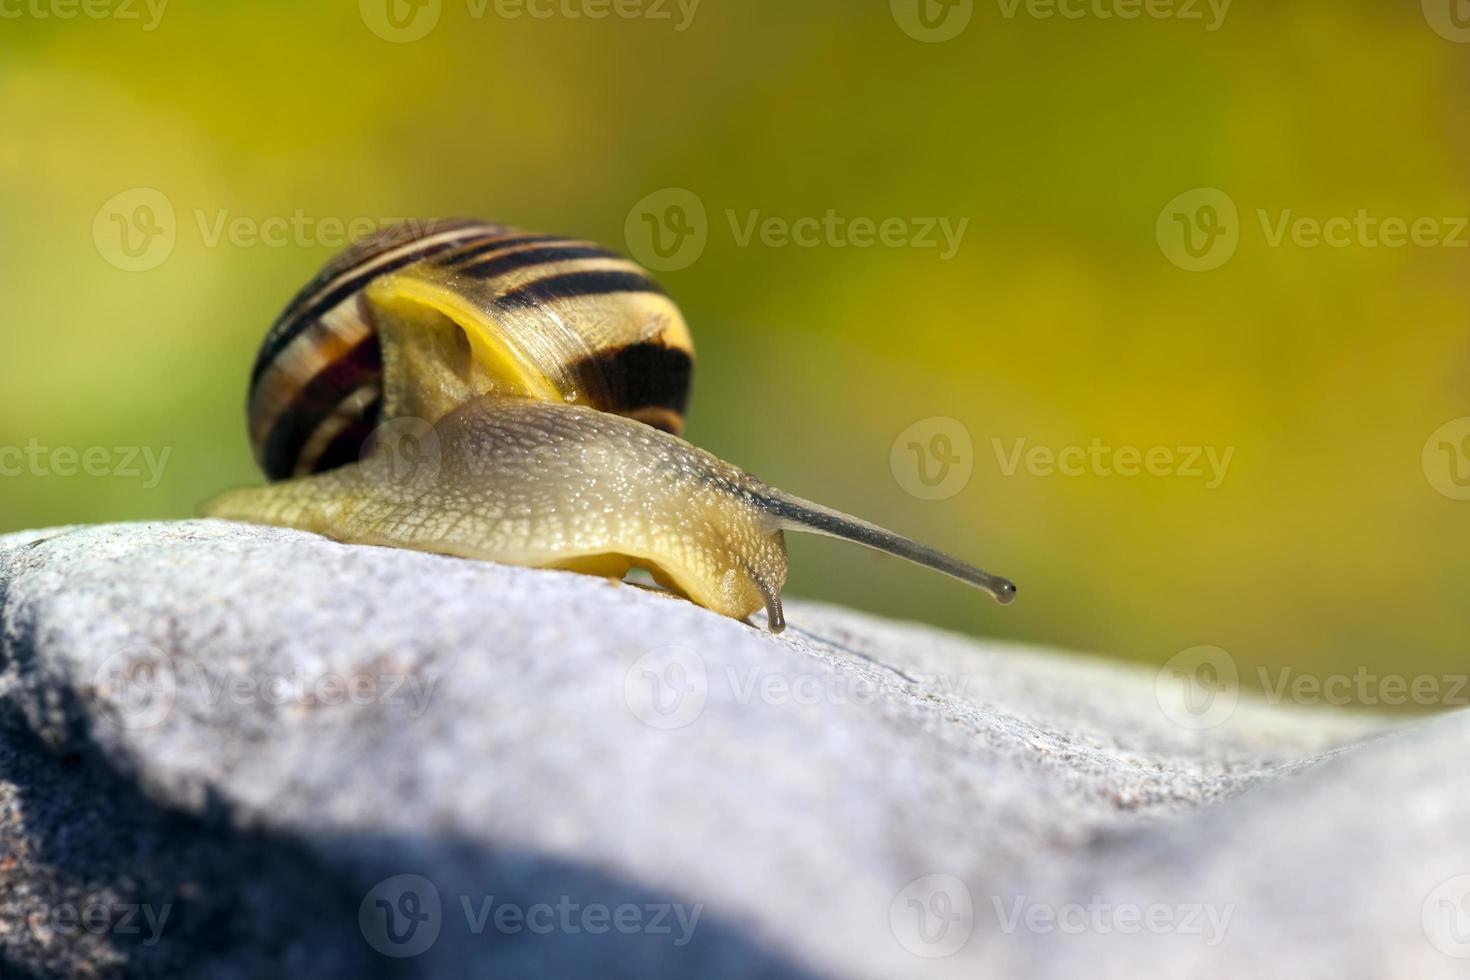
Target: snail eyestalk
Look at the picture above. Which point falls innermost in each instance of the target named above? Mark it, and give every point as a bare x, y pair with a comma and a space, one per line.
796, 514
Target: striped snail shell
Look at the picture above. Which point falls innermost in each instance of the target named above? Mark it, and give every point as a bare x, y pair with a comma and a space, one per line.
589, 327
555, 377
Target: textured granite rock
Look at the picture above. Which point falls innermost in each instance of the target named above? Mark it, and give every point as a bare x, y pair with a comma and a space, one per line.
230, 751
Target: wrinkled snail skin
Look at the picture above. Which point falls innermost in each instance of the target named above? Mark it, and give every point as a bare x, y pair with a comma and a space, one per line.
556, 374
551, 486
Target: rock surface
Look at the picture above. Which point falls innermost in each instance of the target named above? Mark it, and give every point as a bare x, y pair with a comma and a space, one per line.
232, 752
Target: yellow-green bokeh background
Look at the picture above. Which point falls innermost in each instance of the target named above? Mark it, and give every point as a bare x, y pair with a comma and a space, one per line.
1060, 320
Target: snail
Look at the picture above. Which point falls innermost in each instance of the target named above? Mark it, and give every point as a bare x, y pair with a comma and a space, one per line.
555, 375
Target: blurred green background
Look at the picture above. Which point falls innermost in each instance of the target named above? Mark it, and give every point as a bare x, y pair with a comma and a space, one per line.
1062, 318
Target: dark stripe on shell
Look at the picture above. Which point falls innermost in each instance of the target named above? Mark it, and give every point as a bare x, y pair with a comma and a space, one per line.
573, 284
317, 400
373, 245
647, 375
349, 444
466, 252
302, 313
501, 264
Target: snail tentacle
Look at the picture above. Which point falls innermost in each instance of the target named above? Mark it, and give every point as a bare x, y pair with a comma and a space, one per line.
796, 514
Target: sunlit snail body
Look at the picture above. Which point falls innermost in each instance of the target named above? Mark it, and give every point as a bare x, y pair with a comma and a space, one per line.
555, 375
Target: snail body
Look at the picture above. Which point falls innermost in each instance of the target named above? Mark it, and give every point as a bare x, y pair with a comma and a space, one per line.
473, 390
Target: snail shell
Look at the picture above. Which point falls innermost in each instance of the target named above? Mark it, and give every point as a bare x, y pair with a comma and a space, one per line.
556, 377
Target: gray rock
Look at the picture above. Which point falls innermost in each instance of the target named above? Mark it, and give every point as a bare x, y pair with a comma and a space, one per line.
237, 751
